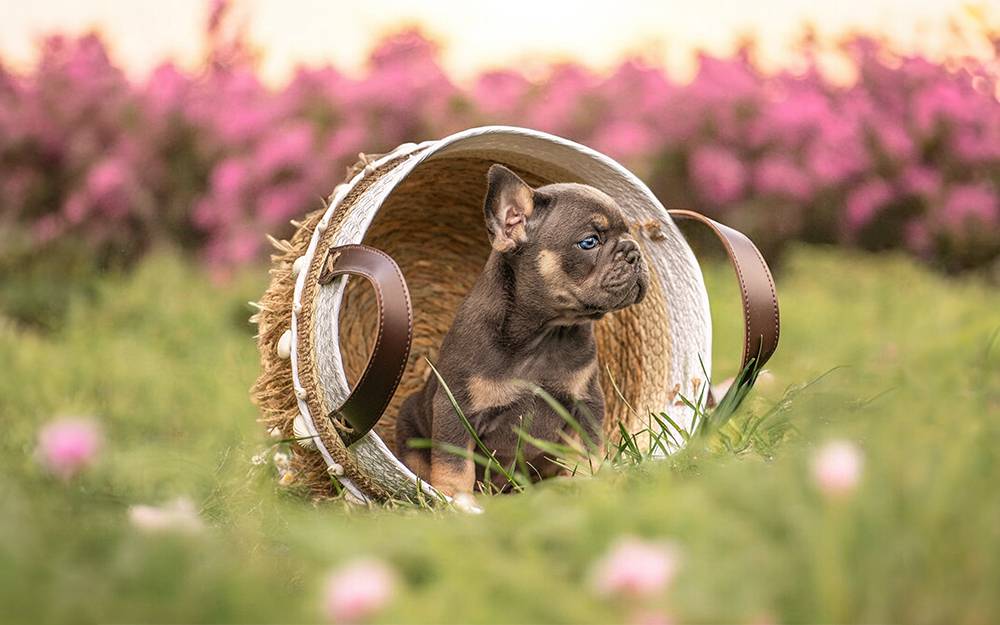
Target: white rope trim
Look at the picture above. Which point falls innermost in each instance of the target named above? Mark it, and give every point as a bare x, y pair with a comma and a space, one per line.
300, 281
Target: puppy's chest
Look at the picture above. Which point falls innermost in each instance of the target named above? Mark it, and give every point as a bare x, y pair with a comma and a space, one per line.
512, 389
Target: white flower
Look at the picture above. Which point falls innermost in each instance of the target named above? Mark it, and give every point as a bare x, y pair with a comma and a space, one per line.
179, 515
282, 461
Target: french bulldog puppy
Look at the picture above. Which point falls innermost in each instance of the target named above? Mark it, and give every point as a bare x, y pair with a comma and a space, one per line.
562, 258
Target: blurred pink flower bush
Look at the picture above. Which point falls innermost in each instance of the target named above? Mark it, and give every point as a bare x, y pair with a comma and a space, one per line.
907, 156
69, 445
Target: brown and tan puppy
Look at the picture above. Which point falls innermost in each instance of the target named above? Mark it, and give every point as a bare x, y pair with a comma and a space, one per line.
562, 257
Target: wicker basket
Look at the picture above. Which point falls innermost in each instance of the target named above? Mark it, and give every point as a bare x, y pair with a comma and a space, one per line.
422, 204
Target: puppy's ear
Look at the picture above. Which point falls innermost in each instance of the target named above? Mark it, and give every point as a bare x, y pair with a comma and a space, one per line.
508, 207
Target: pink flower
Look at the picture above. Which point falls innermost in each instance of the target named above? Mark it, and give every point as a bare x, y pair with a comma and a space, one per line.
838, 151
279, 203
894, 140
108, 186
779, 176
718, 174
69, 445
920, 180
836, 468
792, 117
977, 144
235, 247
638, 92
635, 567
284, 148
230, 178
107, 177
725, 79
625, 140
165, 89
358, 590
971, 202
179, 515
345, 142
500, 92
942, 101
864, 203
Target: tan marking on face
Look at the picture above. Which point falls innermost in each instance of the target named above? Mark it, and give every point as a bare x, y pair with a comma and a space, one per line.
485, 393
452, 478
578, 382
601, 221
555, 278
417, 462
548, 265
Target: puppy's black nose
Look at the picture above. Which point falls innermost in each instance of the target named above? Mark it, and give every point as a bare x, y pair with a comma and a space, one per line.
629, 250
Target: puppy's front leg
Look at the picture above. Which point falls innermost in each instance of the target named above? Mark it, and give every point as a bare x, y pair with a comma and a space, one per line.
451, 473
590, 413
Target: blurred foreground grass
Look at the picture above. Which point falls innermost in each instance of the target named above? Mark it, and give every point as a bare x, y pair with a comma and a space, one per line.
163, 359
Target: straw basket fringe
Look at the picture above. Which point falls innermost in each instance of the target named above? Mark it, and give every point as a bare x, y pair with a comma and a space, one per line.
422, 204
274, 390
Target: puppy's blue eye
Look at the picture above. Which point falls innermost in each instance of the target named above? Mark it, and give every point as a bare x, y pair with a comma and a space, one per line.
589, 243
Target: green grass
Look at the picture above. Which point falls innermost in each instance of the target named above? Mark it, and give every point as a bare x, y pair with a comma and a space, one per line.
163, 358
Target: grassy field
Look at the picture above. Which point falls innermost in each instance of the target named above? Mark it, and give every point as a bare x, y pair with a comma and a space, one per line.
163, 359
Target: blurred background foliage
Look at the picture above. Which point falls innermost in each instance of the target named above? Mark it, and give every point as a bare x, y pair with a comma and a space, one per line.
97, 168
132, 219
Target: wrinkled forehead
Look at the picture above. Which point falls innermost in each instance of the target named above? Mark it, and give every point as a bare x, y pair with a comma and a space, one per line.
580, 203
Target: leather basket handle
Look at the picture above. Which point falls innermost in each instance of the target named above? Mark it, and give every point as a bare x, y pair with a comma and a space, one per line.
368, 400
761, 323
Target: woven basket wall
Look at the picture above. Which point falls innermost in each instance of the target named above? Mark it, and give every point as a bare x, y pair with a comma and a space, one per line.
422, 204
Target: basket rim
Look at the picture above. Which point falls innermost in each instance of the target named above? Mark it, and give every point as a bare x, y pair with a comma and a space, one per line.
416, 155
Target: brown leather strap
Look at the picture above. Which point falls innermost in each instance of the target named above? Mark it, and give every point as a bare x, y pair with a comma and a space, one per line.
760, 300
377, 384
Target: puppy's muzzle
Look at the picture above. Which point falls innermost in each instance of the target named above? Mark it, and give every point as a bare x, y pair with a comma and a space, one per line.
628, 250
628, 277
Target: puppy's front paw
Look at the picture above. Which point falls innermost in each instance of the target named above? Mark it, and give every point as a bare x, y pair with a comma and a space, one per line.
453, 477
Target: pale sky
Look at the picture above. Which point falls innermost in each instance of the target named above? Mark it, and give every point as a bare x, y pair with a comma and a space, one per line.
477, 35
